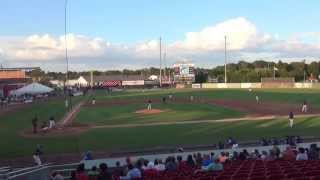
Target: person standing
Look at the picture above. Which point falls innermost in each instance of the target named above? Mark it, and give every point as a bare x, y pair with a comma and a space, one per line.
291, 117
93, 101
52, 123
257, 99
35, 124
304, 107
149, 104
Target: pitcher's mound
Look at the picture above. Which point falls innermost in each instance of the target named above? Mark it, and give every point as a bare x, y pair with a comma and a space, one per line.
146, 111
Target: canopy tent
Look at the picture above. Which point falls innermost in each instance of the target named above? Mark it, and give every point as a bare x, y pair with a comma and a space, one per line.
33, 88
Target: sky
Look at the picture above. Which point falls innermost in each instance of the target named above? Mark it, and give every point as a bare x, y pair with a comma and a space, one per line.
103, 35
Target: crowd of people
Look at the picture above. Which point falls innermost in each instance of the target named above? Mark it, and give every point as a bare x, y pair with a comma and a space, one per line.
196, 162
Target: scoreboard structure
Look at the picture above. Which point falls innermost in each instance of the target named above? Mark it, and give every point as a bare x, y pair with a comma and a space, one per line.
184, 73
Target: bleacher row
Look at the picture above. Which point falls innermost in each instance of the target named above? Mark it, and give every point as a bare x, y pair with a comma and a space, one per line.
245, 170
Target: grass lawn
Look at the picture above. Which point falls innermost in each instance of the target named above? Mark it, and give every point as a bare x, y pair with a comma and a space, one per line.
118, 114
124, 139
296, 96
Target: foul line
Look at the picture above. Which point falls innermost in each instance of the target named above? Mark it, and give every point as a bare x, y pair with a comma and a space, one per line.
272, 117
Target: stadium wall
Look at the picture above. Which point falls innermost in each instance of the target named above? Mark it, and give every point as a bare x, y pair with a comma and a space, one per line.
252, 85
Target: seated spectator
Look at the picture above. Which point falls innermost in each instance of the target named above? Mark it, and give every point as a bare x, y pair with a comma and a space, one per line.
159, 166
181, 164
314, 152
271, 156
104, 174
190, 162
206, 160
222, 157
87, 156
302, 155
118, 170
150, 170
93, 173
264, 155
235, 156
288, 154
80, 173
171, 164
276, 151
56, 176
36, 158
216, 166
198, 159
133, 173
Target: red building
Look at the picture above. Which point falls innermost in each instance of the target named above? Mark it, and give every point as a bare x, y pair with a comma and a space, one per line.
12, 78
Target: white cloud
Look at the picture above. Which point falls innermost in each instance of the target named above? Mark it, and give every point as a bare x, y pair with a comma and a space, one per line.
204, 48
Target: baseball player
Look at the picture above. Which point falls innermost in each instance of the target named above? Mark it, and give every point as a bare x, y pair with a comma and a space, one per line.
257, 99
149, 104
291, 117
304, 107
93, 101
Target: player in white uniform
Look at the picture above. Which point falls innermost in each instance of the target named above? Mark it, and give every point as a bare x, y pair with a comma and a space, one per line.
304, 107
257, 99
149, 104
291, 117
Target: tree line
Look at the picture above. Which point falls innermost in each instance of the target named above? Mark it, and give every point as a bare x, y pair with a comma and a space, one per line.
241, 71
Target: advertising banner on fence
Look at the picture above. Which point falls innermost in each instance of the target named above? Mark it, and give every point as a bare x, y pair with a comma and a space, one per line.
133, 83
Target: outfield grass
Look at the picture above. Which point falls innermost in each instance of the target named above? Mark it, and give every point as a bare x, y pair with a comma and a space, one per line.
124, 139
295, 96
173, 112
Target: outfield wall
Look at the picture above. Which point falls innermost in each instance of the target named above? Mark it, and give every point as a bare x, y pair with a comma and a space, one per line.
250, 85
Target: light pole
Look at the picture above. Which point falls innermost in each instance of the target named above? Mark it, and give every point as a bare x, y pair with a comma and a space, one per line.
160, 74
225, 59
67, 103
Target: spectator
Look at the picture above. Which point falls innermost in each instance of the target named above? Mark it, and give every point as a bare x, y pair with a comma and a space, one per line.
36, 158
198, 159
190, 161
93, 173
171, 164
159, 166
288, 154
276, 151
118, 170
314, 152
104, 172
181, 164
87, 156
264, 155
73, 175
80, 174
133, 173
56, 176
235, 155
215, 166
222, 157
302, 155
206, 160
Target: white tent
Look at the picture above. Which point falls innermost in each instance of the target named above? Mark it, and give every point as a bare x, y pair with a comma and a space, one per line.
33, 88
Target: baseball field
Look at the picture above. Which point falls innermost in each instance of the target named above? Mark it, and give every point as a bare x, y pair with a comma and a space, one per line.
119, 122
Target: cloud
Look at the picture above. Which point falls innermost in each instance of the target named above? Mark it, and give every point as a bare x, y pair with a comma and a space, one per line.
204, 47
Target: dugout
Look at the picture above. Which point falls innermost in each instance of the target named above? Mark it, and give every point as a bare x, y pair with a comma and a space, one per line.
287, 82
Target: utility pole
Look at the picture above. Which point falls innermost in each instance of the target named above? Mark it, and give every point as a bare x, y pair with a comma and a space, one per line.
165, 61
160, 74
67, 103
225, 59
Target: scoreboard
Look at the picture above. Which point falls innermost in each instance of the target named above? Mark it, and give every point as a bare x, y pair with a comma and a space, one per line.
184, 73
